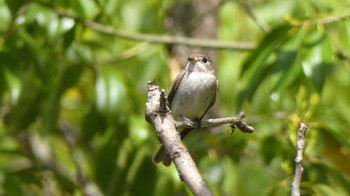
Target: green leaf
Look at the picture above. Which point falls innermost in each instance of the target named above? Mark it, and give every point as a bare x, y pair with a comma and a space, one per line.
26, 109
143, 184
12, 184
284, 65
51, 107
318, 64
93, 124
254, 69
68, 37
110, 92
270, 43
14, 6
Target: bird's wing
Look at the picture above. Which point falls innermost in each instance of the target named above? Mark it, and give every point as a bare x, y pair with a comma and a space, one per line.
175, 86
213, 100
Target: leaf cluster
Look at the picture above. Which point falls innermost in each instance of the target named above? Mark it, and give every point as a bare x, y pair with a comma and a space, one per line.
72, 99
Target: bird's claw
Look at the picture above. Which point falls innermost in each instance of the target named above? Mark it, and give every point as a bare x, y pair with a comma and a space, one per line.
186, 123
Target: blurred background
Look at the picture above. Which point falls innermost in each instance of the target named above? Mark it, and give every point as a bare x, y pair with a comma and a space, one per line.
73, 77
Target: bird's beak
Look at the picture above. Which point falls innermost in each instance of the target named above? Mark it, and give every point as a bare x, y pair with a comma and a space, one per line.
191, 60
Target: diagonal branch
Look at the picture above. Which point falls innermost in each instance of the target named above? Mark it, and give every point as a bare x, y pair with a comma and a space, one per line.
158, 114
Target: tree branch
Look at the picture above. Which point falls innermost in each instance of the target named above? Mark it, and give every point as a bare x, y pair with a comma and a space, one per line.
300, 143
159, 39
236, 122
167, 39
158, 114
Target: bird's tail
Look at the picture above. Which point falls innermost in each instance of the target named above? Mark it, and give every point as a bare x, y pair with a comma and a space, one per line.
162, 156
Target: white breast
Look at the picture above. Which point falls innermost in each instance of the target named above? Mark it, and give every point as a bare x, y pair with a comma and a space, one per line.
194, 95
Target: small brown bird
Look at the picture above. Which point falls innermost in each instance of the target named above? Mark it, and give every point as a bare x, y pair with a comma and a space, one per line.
191, 95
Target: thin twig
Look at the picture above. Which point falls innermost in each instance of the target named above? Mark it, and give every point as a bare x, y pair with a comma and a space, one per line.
167, 39
300, 143
236, 122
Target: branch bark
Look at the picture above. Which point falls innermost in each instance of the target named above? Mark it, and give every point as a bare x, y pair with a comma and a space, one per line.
160, 39
167, 39
236, 122
300, 143
159, 115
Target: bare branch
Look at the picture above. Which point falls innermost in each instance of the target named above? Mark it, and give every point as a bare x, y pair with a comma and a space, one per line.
300, 143
167, 39
158, 114
160, 39
236, 122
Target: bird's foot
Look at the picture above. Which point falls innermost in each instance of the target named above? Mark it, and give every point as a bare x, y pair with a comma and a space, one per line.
197, 122
185, 123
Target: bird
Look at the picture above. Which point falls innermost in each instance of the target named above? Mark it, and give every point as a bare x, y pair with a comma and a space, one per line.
192, 94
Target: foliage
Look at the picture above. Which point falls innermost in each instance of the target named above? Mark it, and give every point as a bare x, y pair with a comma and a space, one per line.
72, 99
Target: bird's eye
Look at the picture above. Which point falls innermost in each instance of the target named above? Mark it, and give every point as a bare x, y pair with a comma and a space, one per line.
204, 60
